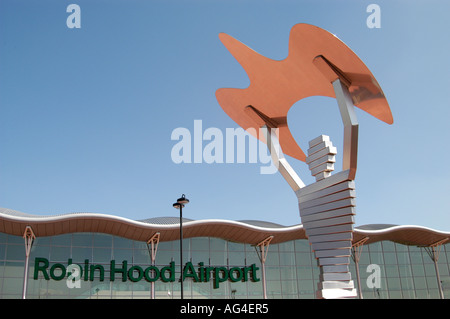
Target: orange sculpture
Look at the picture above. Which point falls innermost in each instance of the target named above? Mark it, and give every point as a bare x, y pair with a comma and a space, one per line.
316, 58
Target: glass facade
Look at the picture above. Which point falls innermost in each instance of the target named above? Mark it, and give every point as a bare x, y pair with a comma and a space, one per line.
387, 270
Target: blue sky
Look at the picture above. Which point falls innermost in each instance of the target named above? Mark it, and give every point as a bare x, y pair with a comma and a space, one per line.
87, 114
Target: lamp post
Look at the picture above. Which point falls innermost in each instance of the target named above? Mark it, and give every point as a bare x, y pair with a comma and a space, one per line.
179, 205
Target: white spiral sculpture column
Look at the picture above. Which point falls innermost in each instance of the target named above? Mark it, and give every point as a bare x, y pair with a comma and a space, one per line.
327, 208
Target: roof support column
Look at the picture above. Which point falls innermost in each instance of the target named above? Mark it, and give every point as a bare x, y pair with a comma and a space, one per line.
29, 237
152, 246
263, 250
433, 251
356, 254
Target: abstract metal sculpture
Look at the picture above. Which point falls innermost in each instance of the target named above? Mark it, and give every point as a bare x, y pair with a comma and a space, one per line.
318, 64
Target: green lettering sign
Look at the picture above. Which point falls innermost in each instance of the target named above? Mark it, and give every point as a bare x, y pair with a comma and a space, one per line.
137, 273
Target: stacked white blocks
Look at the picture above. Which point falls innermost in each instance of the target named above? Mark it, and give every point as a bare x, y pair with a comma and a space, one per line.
321, 157
327, 208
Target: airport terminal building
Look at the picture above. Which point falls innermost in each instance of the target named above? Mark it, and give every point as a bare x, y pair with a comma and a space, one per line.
98, 256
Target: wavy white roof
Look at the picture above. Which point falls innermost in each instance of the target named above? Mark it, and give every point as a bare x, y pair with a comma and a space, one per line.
251, 232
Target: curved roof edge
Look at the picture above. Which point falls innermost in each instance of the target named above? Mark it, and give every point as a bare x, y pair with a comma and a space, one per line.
250, 232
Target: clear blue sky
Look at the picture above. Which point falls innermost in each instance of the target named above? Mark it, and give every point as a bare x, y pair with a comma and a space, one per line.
87, 114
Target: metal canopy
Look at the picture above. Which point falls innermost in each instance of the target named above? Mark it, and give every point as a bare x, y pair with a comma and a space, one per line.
316, 58
14, 223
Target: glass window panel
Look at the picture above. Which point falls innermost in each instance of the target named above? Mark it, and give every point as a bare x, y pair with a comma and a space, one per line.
166, 245
82, 239
102, 240
235, 246
186, 244
289, 287
382, 293
200, 243
375, 247
395, 294
139, 245
272, 273
82, 292
443, 268
376, 258
422, 294
364, 258
164, 257
420, 283
304, 273
217, 258
430, 270
202, 289
37, 288
403, 257
391, 271
3, 238
316, 271
217, 244
2, 251
286, 246
123, 254
433, 293
407, 283
432, 282
239, 289
200, 256
42, 241
163, 290
59, 253
390, 258
116, 289
446, 286
409, 294
273, 289
255, 289
120, 242
15, 252
272, 258
394, 284
62, 240
416, 257
405, 270
388, 246
79, 254
102, 255
303, 258
40, 251
418, 270
401, 248
287, 259
13, 269
12, 286
252, 257
15, 240
57, 288
306, 286
236, 257
141, 256
426, 257
302, 245
288, 273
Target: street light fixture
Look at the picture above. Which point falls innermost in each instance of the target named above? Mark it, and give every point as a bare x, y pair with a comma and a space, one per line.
179, 205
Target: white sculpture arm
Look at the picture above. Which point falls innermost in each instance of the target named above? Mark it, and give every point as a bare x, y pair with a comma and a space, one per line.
348, 114
280, 161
